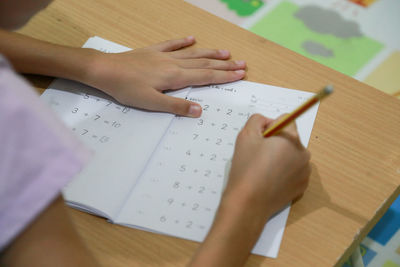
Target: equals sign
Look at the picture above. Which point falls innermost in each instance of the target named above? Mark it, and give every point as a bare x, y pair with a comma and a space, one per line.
107, 122
94, 136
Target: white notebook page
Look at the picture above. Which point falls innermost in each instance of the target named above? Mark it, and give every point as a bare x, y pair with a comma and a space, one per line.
123, 139
179, 192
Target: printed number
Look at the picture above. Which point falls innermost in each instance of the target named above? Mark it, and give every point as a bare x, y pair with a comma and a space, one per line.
195, 136
116, 124
206, 107
96, 117
195, 206
85, 96
229, 112
213, 157
163, 219
104, 139
176, 185
201, 122
219, 141
182, 168
207, 173
224, 125
201, 190
170, 201
188, 152
84, 132
189, 224
75, 110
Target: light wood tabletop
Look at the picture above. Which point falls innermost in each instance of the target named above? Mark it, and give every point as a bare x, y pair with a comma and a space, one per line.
355, 142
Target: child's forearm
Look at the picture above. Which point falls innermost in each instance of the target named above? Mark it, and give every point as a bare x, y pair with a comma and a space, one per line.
28, 55
52, 231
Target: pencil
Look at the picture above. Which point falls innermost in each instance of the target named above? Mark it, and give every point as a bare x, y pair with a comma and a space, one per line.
288, 118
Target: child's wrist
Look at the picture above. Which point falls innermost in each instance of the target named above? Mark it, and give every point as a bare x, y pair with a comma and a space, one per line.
87, 62
241, 201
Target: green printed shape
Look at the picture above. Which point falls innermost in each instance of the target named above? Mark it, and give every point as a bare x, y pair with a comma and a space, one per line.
349, 54
243, 8
390, 263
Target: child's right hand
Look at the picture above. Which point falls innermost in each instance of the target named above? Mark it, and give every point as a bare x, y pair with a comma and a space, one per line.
267, 173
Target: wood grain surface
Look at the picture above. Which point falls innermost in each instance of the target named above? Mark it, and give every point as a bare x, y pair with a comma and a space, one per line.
355, 142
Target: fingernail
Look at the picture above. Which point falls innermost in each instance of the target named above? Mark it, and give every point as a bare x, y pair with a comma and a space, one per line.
194, 111
241, 72
190, 38
223, 53
240, 63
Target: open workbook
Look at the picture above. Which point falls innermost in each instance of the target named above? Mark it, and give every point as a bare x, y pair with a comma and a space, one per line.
160, 172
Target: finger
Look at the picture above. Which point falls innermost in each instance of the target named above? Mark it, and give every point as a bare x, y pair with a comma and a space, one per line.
201, 53
202, 63
172, 45
207, 76
257, 123
160, 102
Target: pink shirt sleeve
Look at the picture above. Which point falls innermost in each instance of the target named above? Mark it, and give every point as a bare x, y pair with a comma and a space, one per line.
38, 155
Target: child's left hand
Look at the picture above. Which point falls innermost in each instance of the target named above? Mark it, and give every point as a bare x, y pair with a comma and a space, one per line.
137, 78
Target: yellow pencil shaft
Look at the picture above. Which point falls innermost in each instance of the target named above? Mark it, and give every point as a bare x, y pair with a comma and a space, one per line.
288, 118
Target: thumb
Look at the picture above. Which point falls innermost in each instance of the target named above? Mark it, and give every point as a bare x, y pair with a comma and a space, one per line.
178, 106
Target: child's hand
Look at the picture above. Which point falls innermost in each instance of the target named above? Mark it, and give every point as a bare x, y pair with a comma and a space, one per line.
268, 173
137, 78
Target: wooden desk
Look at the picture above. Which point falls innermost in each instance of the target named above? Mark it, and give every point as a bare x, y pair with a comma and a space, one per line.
355, 142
